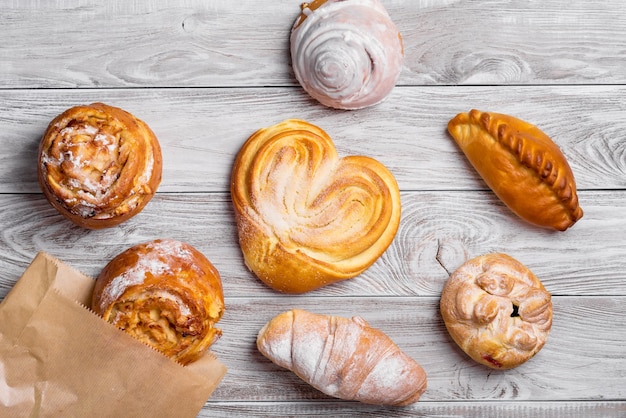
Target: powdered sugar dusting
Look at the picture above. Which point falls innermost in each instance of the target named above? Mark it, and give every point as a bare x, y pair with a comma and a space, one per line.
85, 163
347, 55
157, 261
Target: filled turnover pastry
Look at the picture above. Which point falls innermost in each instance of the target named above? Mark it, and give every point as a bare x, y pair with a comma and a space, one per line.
306, 217
522, 165
99, 165
496, 310
347, 54
164, 293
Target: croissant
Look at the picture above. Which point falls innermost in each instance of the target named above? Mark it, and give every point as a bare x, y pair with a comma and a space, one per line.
346, 54
522, 165
98, 165
307, 218
496, 310
164, 293
344, 358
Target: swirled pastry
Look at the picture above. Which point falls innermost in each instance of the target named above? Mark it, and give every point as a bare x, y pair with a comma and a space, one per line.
522, 166
164, 293
307, 218
343, 357
347, 54
496, 310
99, 165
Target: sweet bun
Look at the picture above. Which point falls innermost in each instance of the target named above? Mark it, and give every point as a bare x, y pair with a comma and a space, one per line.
347, 54
164, 293
307, 218
98, 165
496, 310
522, 166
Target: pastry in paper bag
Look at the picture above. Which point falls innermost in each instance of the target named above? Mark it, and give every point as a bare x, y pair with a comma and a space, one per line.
60, 359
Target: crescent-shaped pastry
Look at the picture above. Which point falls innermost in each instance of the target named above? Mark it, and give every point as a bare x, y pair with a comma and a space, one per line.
343, 357
98, 165
307, 218
164, 293
522, 166
347, 54
496, 310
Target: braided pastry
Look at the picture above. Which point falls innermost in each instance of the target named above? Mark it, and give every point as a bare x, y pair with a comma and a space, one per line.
522, 165
496, 310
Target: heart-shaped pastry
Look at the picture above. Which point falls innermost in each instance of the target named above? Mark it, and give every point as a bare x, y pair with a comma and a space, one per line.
306, 217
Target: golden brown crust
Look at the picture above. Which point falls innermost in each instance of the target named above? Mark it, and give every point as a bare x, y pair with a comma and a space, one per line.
307, 218
342, 357
98, 165
166, 294
522, 165
496, 310
306, 9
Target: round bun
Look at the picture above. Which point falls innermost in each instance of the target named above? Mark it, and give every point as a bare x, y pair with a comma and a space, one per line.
496, 310
347, 54
306, 217
98, 165
164, 293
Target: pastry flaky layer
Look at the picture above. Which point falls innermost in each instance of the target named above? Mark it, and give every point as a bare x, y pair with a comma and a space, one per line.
99, 165
307, 218
496, 310
347, 54
344, 358
164, 293
522, 165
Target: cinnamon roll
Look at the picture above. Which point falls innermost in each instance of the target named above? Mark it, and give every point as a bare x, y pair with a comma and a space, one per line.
164, 293
346, 54
496, 310
307, 218
98, 165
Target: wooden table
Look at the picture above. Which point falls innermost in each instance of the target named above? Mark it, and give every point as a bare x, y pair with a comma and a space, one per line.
205, 74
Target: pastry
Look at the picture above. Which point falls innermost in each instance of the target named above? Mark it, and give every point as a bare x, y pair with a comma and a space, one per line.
496, 310
164, 293
98, 165
307, 218
522, 166
344, 358
347, 54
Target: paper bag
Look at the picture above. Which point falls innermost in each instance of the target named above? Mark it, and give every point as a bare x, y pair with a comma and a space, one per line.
59, 359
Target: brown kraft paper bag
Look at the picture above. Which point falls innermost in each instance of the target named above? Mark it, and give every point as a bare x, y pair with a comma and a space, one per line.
58, 359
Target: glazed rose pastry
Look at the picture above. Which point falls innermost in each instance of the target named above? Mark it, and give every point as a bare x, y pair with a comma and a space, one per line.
98, 165
522, 166
166, 294
346, 54
306, 217
496, 310
343, 357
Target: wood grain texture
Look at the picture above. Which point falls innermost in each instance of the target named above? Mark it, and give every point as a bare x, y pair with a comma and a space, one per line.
586, 338
193, 44
201, 130
438, 232
206, 74
474, 409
